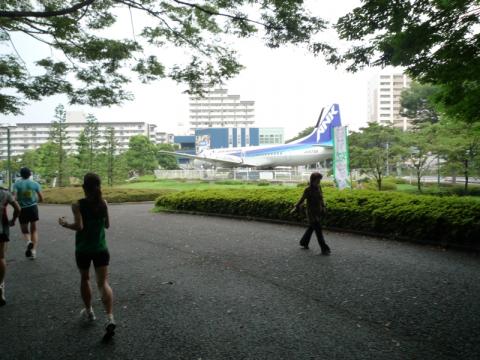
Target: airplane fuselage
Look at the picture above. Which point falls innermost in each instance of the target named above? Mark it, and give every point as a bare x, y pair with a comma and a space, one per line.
272, 156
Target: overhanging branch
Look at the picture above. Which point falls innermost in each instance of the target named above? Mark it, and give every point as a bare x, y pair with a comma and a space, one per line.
233, 17
45, 14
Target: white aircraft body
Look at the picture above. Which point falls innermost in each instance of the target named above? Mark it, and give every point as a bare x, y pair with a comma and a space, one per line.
315, 147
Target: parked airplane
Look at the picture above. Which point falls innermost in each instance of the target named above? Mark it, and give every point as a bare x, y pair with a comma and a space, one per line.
313, 148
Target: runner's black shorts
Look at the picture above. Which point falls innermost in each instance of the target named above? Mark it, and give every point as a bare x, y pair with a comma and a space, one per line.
28, 214
4, 238
99, 259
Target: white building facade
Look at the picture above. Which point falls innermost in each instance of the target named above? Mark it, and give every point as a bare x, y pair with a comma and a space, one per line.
271, 136
30, 136
218, 109
385, 91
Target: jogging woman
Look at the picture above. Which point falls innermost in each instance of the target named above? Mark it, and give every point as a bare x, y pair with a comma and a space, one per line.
90, 216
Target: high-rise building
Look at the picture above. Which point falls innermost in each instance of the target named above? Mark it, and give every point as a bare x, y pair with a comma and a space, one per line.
217, 109
26, 136
385, 91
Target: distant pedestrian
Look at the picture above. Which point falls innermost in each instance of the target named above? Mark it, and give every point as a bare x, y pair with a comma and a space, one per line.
28, 193
5, 199
315, 211
90, 216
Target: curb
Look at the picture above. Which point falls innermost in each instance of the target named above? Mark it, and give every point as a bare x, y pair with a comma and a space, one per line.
328, 228
473, 250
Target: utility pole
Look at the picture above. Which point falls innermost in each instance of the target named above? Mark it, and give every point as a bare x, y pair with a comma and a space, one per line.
8, 127
438, 170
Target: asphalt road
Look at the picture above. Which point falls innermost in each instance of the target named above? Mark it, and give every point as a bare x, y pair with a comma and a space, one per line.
241, 290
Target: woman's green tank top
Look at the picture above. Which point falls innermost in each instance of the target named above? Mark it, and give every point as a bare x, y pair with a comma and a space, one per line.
91, 239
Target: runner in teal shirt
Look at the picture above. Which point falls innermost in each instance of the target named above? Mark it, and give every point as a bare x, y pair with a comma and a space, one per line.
28, 193
27, 190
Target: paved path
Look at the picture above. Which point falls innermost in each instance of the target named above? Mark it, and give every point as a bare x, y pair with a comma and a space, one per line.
241, 290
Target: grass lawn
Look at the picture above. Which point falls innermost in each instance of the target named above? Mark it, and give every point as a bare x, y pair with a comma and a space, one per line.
431, 189
190, 185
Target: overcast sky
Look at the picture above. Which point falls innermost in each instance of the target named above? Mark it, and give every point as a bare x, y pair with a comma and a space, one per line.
289, 87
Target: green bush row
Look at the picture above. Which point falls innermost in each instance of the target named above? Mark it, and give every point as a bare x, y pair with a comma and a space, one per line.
69, 195
451, 221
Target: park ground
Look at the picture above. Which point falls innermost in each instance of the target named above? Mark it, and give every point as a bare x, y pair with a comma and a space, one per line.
192, 287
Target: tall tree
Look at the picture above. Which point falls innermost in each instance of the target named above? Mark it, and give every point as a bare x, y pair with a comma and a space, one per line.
165, 161
47, 161
460, 146
141, 154
418, 103
58, 138
30, 159
110, 150
436, 41
81, 156
373, 148
301, 134
72, 28
92, 136
421, 146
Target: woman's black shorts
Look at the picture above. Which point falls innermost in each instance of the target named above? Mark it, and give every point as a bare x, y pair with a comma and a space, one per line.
28, 214
99, 259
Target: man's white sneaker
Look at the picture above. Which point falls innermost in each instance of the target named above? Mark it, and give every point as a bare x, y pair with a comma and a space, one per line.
88, 315
33, 255
2, 294
109, 329
28, 252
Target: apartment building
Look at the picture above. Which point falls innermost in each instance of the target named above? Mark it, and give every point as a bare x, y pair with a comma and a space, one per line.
26, 136
218, 109
385, 91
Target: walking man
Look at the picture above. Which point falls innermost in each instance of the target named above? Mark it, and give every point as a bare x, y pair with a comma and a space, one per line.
315, 211
28, 193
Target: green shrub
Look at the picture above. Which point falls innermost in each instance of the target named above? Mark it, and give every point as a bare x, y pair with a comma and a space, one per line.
446, 221
69, 195
324, 184
387, 185
263, 183
231, 182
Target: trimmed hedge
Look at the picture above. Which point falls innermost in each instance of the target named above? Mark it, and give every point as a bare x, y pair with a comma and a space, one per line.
69, 195
451, 221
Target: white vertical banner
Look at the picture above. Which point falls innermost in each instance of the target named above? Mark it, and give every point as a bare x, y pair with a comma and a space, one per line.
341, 158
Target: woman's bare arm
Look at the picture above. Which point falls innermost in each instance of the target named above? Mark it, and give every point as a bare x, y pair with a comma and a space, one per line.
107, 218
77, 224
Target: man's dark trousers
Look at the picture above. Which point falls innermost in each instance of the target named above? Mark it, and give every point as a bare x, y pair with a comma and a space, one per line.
317, 227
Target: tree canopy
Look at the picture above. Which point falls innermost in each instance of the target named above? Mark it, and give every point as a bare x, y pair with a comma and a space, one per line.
436, 41
95, 65
418, 103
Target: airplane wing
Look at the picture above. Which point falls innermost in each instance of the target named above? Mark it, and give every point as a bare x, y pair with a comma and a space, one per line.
230, 161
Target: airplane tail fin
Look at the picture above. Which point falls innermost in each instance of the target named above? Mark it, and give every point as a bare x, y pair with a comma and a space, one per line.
322, 133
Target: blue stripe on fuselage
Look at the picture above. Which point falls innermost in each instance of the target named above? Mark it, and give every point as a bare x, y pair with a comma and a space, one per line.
282, 148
